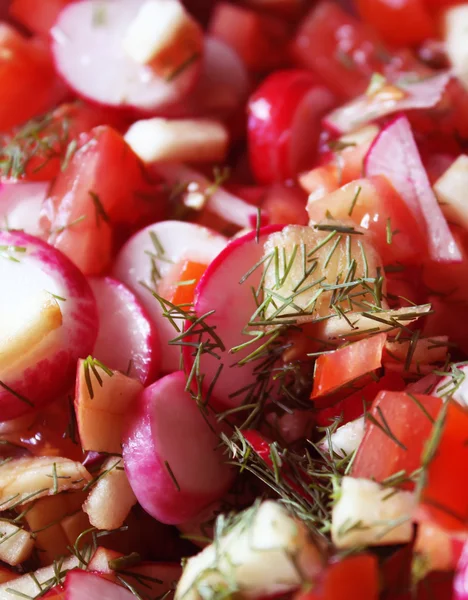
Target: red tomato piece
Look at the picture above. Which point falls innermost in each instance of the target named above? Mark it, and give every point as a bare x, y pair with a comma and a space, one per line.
404, 23
285, 205
352, 407
353, 578
27, 78
259, 39
102, 187
284, 124
36, 15
188, 272
374, 204
448, 318
341, 49
444, 498
395, 439
338, 368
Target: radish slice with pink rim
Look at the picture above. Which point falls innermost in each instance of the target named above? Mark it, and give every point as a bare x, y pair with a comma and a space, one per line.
127, 340
388, 100
220, 202
395, 155
48, 320
81, 584
232, 305
149, 256
87, 44
171, 453
20, 206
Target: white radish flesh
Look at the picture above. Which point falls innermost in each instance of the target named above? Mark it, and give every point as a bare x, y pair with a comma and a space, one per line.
149, 256
233, 304
455, 26
450, 190
87, 44
20, 206
182, 140
34, 368
367, 514
346, 439
170, 454
16, 544
127, 340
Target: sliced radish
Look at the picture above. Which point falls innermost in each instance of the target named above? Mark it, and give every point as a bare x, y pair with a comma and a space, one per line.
170, 453
233, 304
454, 385
89, 54
394, 154
220, 202
150, 255
20, 206
82, 584
48, 320
284, 124
387, 99
127, 340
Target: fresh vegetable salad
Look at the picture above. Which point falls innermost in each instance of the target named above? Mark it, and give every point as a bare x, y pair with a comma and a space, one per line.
234, 299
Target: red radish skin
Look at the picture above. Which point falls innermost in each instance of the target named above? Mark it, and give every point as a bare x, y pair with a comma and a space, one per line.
127, 340
91, 59
395, 155
20, 206
284, 124
170, 453
81, 584
233, 305
47, 370
134, 265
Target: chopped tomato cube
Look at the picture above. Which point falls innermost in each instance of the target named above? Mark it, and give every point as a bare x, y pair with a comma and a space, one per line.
395, 436
37, 15
444, 498
27, 78
179, 285
405, 23
352, 407
355, 577
338, 368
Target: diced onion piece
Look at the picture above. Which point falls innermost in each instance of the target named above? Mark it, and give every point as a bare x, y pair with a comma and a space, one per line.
367, 514
455, 27
181, 140
164, 36
16, 544
451, 190
266, 552
27, 479
346, 439
111, 499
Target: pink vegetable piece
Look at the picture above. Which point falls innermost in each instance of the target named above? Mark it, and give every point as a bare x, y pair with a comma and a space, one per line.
170, 453
48, 320
460, 582
364, 109
81, 585
220, 290
394, 154
127, 340
20, 206
91, 59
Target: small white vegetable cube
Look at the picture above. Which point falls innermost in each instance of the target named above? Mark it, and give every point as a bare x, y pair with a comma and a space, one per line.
455, 26
181, 140
451, 189
264, 554
163, 35
346, 439
16, 544
371, 515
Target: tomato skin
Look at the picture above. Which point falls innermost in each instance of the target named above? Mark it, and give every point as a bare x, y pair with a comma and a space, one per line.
36, 15
379, 456
353, 578
27, 78
444, 498
335, 369
87, 202
402, 23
